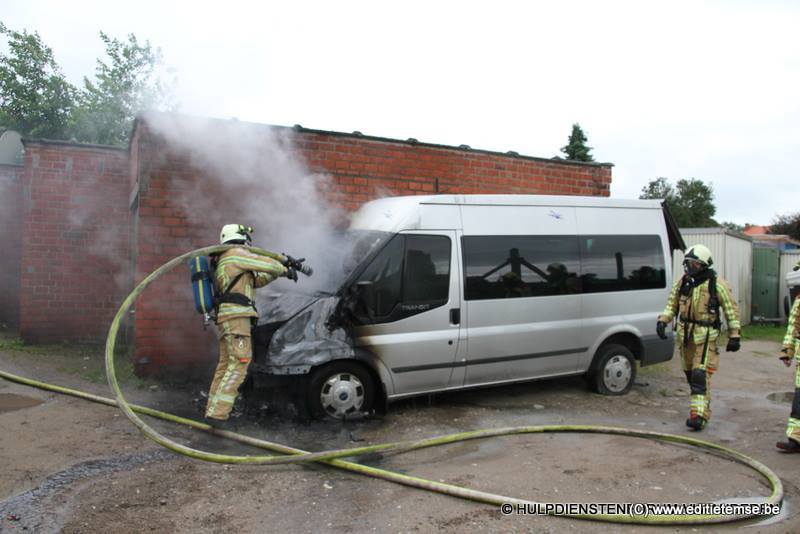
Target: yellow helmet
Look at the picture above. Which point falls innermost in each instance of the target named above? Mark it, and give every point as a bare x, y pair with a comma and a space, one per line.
235, 232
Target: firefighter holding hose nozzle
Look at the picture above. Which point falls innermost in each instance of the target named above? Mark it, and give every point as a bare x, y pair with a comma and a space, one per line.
238, 273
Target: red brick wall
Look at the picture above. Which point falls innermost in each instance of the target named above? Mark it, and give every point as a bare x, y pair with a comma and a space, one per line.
75, 239
168, 332
10, 243
364, 169
169, 336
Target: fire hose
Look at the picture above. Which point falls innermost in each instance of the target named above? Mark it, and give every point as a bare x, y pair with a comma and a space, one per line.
333, 458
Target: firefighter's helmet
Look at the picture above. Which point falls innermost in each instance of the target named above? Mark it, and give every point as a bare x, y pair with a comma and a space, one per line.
699, 253
235, 232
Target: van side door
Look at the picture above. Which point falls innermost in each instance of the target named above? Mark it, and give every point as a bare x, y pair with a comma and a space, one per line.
411, 296
522, 293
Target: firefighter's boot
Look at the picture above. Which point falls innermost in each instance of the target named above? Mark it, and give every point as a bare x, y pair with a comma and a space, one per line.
696, 423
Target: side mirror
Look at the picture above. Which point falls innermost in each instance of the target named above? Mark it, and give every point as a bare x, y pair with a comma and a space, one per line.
363, 292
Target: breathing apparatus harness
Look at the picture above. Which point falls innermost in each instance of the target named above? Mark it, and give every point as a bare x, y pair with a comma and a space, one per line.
688, 283
227, 296
207, 299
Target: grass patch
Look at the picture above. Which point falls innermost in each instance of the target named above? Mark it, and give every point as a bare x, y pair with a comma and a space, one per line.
124, 372
84, 360
13, 344
764, 332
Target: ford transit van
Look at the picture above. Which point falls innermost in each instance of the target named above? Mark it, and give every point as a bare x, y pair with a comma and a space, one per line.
448, 292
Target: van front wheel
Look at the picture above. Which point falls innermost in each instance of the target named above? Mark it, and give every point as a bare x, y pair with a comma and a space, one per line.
614, 370
339, 390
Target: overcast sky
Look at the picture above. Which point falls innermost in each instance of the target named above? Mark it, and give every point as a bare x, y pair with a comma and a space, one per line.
709, 90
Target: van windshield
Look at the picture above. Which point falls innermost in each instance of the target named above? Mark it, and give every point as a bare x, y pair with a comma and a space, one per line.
349, 250
334, 261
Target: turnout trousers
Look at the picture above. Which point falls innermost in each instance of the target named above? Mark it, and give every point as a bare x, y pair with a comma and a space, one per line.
700, 362
793, 427
235, 353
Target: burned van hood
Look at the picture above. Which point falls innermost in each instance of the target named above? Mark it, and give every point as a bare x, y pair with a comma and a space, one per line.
276, 307
306, 340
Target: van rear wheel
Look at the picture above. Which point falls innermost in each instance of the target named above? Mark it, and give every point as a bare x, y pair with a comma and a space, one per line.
339, 390
614, 370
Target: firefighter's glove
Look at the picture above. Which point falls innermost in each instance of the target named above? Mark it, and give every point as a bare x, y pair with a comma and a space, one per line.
733, 344
291, 273
786, 357
661, 329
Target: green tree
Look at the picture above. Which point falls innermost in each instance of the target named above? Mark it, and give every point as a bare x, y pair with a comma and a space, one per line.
786, 225
35, 98
128, 82
576, 149
690, 201
658, 188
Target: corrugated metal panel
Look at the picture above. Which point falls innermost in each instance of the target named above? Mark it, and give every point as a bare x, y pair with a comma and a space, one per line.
766, 285
788, 261
739, 271
733, 261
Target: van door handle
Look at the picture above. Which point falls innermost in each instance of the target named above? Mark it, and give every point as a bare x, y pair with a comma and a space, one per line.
455, 316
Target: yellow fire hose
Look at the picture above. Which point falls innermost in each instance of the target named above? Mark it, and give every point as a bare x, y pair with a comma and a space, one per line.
332, 458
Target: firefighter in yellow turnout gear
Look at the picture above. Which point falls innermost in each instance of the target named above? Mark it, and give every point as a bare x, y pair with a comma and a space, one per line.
238, 273
791, 351
698, 300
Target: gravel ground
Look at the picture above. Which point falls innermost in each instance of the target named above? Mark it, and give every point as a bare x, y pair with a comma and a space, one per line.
78, 467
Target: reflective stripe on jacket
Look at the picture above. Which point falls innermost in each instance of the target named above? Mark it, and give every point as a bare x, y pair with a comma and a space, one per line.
695, 307
260, 270
790, 341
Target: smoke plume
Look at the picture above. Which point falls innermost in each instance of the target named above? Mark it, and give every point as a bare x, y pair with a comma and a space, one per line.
254, 175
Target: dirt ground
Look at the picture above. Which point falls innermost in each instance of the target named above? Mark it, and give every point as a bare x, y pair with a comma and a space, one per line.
72, 466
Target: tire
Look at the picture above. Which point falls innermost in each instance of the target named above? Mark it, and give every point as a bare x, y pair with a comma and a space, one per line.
339, 390
613, 371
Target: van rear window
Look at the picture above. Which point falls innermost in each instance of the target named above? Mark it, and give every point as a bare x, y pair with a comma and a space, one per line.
622, 263
499, 267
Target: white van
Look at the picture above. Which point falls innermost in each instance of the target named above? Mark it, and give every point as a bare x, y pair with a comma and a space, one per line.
465, 291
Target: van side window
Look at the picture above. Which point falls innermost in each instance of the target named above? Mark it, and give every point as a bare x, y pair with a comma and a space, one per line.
622, 263
410, 275
498, 267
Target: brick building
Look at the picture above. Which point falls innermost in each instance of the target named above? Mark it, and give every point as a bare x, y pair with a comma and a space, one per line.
81, 223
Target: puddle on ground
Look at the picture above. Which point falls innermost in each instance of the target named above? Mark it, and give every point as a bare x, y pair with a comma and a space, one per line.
30, 511
781, 397
10, 402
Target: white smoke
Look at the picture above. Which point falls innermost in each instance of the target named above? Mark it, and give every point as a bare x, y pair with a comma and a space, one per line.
254, 175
